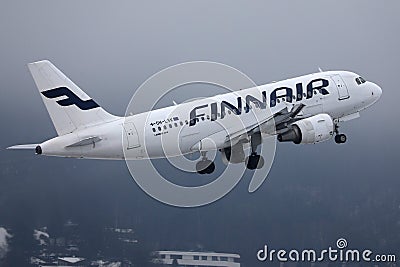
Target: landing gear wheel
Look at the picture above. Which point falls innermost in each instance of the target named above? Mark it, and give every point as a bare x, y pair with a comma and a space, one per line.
210, 169
254, 161
340, 138
205, 167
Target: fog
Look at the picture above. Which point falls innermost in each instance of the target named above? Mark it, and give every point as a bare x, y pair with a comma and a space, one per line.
313, 195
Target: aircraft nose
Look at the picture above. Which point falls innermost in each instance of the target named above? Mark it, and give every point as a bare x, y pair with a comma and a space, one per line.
376, 91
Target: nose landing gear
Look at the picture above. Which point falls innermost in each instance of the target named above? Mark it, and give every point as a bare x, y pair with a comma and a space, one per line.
339, 138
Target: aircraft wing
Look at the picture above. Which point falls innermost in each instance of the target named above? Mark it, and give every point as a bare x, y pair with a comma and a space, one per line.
285, 117
272, 124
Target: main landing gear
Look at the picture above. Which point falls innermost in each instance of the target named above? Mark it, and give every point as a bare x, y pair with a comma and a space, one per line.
205, 166
339, 138
255, 161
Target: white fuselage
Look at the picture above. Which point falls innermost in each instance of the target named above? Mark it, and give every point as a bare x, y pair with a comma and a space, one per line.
182, 129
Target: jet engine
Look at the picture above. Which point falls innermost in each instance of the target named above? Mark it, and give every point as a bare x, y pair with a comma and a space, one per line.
311, 130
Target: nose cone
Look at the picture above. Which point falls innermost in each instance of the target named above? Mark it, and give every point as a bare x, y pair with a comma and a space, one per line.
376, 92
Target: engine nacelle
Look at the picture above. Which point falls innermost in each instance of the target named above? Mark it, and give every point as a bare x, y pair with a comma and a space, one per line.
311, 130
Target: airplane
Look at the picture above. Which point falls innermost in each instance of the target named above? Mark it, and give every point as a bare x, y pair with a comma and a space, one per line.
303, 110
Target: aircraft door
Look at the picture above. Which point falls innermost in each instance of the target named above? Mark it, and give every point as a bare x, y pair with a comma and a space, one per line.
132, 135
341, 87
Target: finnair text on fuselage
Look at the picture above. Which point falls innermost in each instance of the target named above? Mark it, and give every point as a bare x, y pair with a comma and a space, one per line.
283, 91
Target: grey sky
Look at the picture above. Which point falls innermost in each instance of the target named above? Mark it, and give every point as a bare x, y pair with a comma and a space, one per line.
110, 48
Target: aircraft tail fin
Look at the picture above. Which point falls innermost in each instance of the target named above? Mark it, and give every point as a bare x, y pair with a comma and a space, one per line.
68, 106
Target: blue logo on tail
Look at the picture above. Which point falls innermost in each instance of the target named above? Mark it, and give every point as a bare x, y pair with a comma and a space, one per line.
72, 99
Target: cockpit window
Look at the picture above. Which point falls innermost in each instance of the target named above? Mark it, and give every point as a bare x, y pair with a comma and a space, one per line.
360, 80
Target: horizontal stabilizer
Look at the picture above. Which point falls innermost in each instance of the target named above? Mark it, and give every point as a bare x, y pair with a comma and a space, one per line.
27, 146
